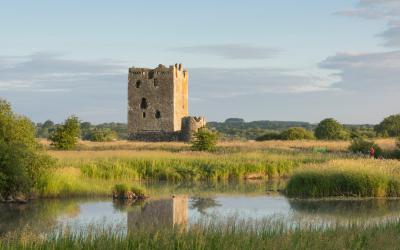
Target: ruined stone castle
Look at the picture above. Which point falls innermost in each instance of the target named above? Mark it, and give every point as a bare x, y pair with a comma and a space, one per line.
158, 105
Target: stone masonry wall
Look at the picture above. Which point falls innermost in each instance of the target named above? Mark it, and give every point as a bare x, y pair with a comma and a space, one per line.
157, 100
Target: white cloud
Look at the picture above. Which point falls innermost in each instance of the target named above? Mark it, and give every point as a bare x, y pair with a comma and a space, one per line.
366, 71
388, 10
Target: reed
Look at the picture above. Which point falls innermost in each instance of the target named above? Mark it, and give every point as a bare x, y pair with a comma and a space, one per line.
267, 235
351, 177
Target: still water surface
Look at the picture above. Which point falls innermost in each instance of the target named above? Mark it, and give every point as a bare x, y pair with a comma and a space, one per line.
188, 204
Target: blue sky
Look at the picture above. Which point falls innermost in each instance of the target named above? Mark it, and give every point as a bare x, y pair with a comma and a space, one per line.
259, 60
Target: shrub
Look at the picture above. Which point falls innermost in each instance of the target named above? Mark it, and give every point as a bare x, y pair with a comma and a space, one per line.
22, 160
102, 135
138, 191
204, 140
66, 135
120, 188
360, 145
390, 126
330, 129
270, 136
297, 133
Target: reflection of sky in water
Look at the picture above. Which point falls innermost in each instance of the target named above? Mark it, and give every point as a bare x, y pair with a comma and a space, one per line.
97, 213
106, 214
245, 207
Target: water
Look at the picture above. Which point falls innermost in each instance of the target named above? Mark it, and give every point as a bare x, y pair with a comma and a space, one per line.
187, 204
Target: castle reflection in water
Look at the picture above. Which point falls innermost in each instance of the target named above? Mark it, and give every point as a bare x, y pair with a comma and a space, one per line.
166, 212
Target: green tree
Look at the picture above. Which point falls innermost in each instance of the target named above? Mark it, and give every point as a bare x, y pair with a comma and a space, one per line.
360, 145
204, 140
330, 129
66, 135
45, 129
22, 160
390, 126
102, 135
297, 133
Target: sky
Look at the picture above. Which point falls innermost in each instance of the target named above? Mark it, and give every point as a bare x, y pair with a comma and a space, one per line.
258, 59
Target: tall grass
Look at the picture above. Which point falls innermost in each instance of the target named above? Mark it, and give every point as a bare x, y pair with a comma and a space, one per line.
268, 235
359, 178
187, 166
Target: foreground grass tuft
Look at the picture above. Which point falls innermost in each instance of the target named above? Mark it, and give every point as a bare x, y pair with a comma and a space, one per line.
227, 236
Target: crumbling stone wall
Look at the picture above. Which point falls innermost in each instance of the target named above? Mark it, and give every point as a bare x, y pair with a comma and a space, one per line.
191, 125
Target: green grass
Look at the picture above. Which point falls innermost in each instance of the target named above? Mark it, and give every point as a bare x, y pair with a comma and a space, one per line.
333, 183
83, 174
311, 174
267, 235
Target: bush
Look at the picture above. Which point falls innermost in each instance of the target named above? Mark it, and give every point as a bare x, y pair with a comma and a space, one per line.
120, 188
297, 133
390, 126
270, 136
66, 135
362, 146
102, 135
22, 160
204, 140
330, 129
138, 191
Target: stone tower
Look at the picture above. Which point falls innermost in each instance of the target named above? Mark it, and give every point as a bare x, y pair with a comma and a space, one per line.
157, 102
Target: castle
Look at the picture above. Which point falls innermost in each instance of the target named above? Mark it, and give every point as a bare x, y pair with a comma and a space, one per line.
158, 105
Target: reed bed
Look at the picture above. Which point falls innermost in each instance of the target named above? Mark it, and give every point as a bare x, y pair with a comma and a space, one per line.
266, 235
350, 177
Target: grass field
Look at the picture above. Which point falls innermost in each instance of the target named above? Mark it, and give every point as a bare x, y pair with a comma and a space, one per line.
94, 168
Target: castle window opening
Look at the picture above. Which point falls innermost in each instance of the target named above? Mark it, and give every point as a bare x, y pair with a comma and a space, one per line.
144, 114
158, 114
143, 103
138, 83
151, 74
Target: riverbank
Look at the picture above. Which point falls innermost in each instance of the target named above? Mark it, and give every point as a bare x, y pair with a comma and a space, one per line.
94, 172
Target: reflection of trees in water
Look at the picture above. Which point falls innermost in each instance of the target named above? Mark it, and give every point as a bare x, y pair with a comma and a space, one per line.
210, 187
128, 205
37, 216
363, 208
201, 204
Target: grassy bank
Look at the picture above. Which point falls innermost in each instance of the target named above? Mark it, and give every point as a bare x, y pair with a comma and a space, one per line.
93, 171
349, 178
269, 235
83, 173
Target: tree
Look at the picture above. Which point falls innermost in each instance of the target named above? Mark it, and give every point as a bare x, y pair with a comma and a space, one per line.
45, 129
204, 140
101, 135
22, 160
360, 145
297, 133
330, 129
390, 126
66, 135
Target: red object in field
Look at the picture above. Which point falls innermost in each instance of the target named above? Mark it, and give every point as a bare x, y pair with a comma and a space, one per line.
372, 152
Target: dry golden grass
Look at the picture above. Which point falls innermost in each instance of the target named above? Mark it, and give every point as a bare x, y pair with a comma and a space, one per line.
178, 146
